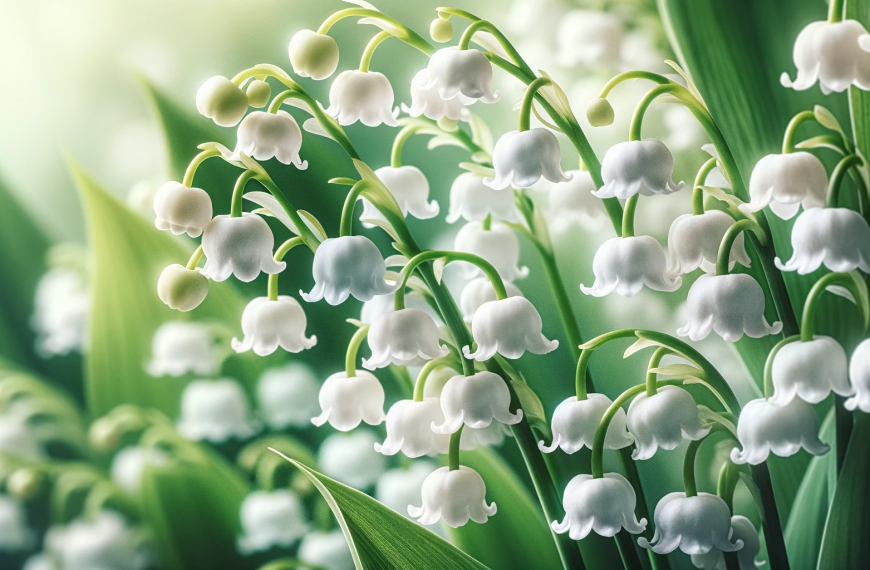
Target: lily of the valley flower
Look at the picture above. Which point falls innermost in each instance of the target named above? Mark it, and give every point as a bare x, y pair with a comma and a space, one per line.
467, 73
834, 53
345, 402
479, 291
589, 37
729, 305
240, 246
270, 519
490, 436
18, 438
693, 242
259, 92
313, 55
663, 420
348, 265
694, 524
287, 396
810, 370
509, 327
15, 533
222, 101
407, 337
521, 158
181, 288
453, 497
633, 167
104, 541
475, 401
268, 324
129, 463
60, 314
473, 200
409, 187
765, 427
351, 458
497, 245
785, 182
573, 201
399, 488
426, 100
364, 96
837, 237
215, 410
626, 264
409, 429
859, 374
742, 529
327, 550
604, 505
575, 421
179, 347
180, 209
266, 135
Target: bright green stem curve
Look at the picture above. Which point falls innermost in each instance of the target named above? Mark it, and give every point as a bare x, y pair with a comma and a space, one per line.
408, 36
529, 99
724, 257
346, 225
632, 75
581, 377
728, 478
689, 483
413, 263
279, 255
399, 144
428, 368
628, 216
839, 173
453, 451
238, 191
195, 163
701, 180
809, 316
311, 240
835, 11
194, 259
768, 365
485, 26
792, 128
352, 348
651, 376
366, 60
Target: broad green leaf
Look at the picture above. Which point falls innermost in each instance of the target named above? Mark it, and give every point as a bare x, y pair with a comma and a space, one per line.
380, 538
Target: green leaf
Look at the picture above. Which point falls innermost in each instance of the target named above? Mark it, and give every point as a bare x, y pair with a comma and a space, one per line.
382, 538
859, 100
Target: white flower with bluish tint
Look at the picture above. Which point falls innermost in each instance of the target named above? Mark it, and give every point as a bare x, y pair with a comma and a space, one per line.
215, 410
631, 167
351, 458
604, 505
663, 420
765, 427
453, 497
345, 402
269, 519
509, 327
268, 324
837, 237
407, 337
475, 401
810, 370
693, 242
479, 291
348, 265
458, 73
576, 421
409, 187
180, 347
521, 158
287, 396
694, 524
240, 246
409, 429
741, 529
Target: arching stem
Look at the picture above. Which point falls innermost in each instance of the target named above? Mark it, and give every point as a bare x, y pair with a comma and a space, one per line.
190, 172
238, 191
839, 173
768, 365
373, 44
408, 35
856, 286
792, 128
453, 452
529, 99
651, 376
352, 349
485, 266
723, 260
701, 180
194, 259
279, 256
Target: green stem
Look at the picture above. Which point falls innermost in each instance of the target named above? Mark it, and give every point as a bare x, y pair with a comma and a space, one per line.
728, 478
485, 26
408, 35
194, 259
723, 259
792, 128
773, 536
311, 240
701, 180
413, 263
373, 44
453, 451
346, 224
399, 144
279, 256
844, 421
651, 376
812, 302
839, 173
581, 377
835, 11
563, 302
238, 191
768, 365
428, 368
628, 216
352, 348
528, 100
689, 483
627, 551
632, 75
195, 163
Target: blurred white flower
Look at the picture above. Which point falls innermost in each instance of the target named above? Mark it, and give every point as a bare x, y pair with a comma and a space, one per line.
521, 158
130, 462
215, 410
265, 135
765, 427
400, 488
479, 291
730, 305
327, 550
364, 96
835, 54
685, 133
179, 347
345, 402
348, 265
267, 324
475, 401
694, 524
741, 529
693, 242
575, 422
18, 438
105, 541
810, 370
351, 458
491, 435
181, 209
453, 497
287, 396
461, 73
497, 245
639, 51
785, 182
632, 167
426, 100
15, 532
409, 429
436, 381
663, 420
573, 201
407, 337
473, 200
60, 315
510, 327
222, 101
589, 37
859, 374
409, 187
626, 264
240, 246
837, 237
141, 196
271, 518
41, 561
181, 288
313, 55
604, 505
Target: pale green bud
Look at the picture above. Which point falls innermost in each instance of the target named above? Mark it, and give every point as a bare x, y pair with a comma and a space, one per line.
222, 101
441, 30
599, 112
313, 55
258, 93
182, 288
24, 483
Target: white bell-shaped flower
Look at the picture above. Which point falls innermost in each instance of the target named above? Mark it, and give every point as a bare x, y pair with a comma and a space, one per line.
810, 370
407, 337
399, 488
573, 201
40, 561
497, 245
458, 73
475, 401
345, 402
265, 135
18, 438
509, 327
426, 100
287, 396
765, 427
521, 158
180, 347
663, 420
104, 541
479, 291
453, 497
409, 187
575, 422
222, 101
180, 209
633, 167
626, 264
835, 54
490, 436
837, 237
590, 38
215, 410
383, 304
473, 200
364, 96
181, 288
785, 182
409, 429
730, 305
348, 265
693, 242
327, 550
313, 55
61, 309
741, 529
129, 464
694, 524
240, 246
859, 374
351, 458
271, 518
15, 532
604, 505
268, 324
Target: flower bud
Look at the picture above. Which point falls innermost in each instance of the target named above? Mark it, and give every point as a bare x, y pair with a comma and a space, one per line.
24, 483
313, 55
441, 30
104, 435
259, 93
222, 101
599, 112
181, 288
